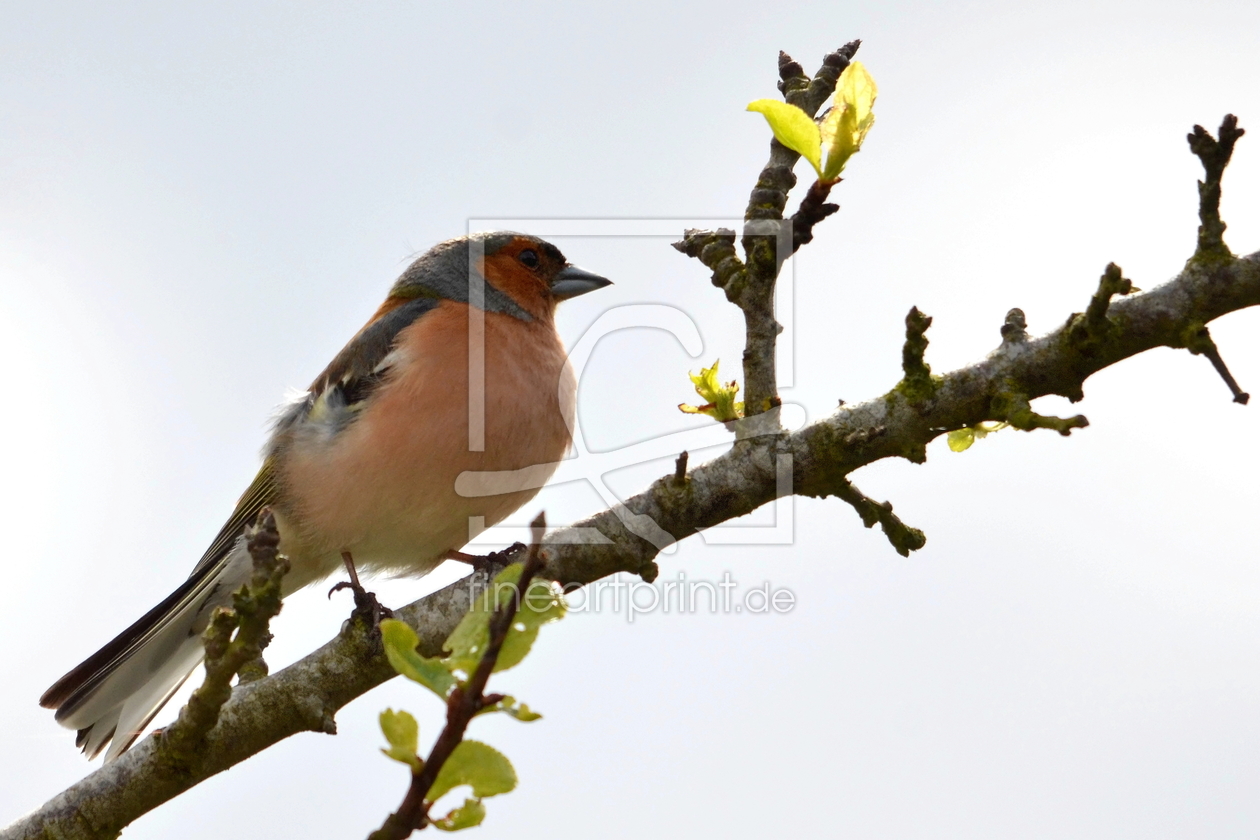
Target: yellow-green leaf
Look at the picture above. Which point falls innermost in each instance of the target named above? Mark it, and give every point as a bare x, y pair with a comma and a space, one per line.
403, 734
400, 647
961, 439
508, 705
477, 764
471, 813
845, 126
541, 604
719, 399
793, 128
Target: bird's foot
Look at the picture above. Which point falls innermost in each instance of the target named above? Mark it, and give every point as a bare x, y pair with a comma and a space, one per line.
489, 563
366, 607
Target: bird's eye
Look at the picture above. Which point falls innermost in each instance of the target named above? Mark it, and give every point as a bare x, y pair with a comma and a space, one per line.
528, 258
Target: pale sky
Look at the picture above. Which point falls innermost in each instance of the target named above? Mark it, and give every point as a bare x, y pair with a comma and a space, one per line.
199, 206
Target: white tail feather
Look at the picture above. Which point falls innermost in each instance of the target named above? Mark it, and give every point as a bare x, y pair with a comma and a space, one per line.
120, 699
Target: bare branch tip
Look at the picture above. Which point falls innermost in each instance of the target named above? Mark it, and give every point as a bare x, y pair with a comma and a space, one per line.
1014, 407
1015, 328
680, 469
814, 208
1198, 340
902, 537
916, 382
791, 74
1214, 153
1090, 331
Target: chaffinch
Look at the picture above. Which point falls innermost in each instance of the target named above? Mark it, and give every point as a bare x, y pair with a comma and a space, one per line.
364, 464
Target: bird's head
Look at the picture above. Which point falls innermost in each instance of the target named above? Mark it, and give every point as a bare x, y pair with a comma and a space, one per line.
512, 273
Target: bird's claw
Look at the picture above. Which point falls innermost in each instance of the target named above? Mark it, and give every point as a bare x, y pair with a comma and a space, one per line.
366, 607
488, 563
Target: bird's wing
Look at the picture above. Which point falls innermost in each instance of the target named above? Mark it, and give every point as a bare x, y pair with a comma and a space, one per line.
358, 368
261, 492
351, 377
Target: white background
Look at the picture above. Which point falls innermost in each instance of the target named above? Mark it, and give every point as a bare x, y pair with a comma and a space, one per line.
198, 208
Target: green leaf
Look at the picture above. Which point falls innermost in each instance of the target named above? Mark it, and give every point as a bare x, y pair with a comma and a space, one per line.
960, 440
508, 705
793, 128
541, 605
468, 643
719, 399
844, 128
477, 764
400, 647
471, 813
403, 734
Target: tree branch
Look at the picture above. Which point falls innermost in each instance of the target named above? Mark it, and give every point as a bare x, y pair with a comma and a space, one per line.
767, 241
305, 696
766, 462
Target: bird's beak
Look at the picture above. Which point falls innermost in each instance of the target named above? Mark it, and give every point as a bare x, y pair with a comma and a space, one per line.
573, 281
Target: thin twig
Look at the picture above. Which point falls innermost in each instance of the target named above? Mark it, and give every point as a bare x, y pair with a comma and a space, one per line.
463, 704
1198, 340
901, 536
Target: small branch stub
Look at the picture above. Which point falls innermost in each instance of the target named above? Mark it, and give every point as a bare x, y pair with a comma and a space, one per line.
716, 250
1090, 330
1014, 408
1214, 153
902, 537
1199, 342
792, 76
1015, 328
680, 469
814, 208
917, 374
1112, 283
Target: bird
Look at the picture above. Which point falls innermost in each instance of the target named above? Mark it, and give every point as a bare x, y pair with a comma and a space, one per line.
361, 468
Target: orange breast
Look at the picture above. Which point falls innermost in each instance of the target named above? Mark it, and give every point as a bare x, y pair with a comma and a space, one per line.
384, 487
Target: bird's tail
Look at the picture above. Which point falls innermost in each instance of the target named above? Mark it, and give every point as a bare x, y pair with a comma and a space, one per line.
117, 691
